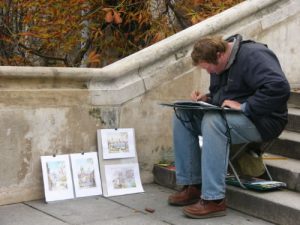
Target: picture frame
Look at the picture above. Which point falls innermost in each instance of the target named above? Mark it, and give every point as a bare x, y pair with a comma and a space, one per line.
117, 143
57, 177
86, 175
122, 179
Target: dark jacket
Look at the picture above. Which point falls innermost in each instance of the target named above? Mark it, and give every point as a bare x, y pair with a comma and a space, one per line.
256, 79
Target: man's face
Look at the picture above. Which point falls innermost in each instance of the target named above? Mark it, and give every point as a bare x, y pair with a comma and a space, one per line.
214, 68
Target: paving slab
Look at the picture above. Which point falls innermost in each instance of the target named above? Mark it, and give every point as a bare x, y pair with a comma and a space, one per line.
132, 220
155, 197
84, 210
119, 210
20, 214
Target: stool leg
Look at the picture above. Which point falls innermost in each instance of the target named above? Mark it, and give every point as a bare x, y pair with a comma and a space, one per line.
236, 174
268, 173
266, 148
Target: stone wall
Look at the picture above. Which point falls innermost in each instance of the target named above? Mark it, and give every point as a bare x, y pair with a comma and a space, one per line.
45, 111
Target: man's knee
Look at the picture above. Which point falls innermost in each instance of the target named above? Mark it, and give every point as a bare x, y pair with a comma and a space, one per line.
212, 120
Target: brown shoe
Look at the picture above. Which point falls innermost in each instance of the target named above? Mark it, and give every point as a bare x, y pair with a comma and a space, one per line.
188, 195
205, 209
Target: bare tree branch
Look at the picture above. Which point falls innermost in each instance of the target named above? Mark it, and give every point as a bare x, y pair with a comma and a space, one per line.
183, 22
77, 60
37, 53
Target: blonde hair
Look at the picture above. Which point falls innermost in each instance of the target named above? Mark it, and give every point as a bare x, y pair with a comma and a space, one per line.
206, 49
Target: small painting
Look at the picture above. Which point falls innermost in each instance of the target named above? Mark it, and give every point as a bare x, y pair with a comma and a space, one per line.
57, 177
123, 179
117, 143
86, 174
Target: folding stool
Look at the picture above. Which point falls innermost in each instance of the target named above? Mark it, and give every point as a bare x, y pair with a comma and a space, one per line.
264, 146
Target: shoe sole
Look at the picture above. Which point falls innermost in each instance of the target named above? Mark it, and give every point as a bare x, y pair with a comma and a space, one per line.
214, 214
183, 203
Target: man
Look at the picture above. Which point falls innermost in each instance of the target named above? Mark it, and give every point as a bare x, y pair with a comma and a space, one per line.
246, 76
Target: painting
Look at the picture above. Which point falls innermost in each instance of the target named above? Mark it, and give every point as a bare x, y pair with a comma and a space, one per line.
57, 177
123, 179
117, 143
86, 174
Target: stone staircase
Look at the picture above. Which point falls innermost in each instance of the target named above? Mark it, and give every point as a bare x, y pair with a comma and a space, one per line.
283, 161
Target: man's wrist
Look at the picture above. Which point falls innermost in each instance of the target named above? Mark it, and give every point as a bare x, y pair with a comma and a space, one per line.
244, 108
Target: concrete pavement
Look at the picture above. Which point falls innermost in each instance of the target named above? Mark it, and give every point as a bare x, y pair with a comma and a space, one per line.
127, 209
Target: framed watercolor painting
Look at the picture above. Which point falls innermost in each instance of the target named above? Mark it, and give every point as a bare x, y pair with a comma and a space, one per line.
57, 177
86, 174
117, 143
122, 179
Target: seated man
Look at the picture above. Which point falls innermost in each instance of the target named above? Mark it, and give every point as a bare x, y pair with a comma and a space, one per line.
246, 76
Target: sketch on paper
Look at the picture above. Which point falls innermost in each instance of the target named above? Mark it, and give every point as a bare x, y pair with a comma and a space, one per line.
86, 174
123, 179
117, 143
57, 177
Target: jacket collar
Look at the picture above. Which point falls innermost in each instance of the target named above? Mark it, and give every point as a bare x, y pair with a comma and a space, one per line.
236, 39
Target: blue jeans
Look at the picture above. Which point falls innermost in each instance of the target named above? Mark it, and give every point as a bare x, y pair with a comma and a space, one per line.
208, 166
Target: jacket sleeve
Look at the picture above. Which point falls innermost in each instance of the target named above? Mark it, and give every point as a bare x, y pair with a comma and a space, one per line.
268, 82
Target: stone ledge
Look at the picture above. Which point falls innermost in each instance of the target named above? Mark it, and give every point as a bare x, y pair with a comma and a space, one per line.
150, 66
280, 15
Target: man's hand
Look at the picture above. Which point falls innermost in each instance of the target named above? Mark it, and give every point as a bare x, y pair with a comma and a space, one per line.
197, 96
232, 104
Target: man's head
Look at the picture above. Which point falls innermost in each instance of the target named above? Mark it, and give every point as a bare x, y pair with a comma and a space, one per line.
211, 54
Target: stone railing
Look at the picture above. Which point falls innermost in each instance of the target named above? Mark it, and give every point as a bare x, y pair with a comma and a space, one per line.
58, 110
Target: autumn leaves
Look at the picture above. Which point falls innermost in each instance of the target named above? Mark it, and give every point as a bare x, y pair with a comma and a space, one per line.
112, 16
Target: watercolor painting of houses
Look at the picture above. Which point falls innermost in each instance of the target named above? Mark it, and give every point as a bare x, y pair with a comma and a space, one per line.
86, 174
123, 179
57, 177
117, 143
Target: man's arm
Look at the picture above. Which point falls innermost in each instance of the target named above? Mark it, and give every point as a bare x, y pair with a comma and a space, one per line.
271, 89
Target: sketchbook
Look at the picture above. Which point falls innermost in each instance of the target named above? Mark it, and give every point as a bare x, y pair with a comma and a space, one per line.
186, 104
257, 184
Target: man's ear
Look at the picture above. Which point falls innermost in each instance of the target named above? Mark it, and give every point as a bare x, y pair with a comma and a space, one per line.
219, 54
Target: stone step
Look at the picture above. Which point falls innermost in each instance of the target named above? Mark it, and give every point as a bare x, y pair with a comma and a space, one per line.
288, 144
164, 176
280, 207
294, 120
284, 169
294, 100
